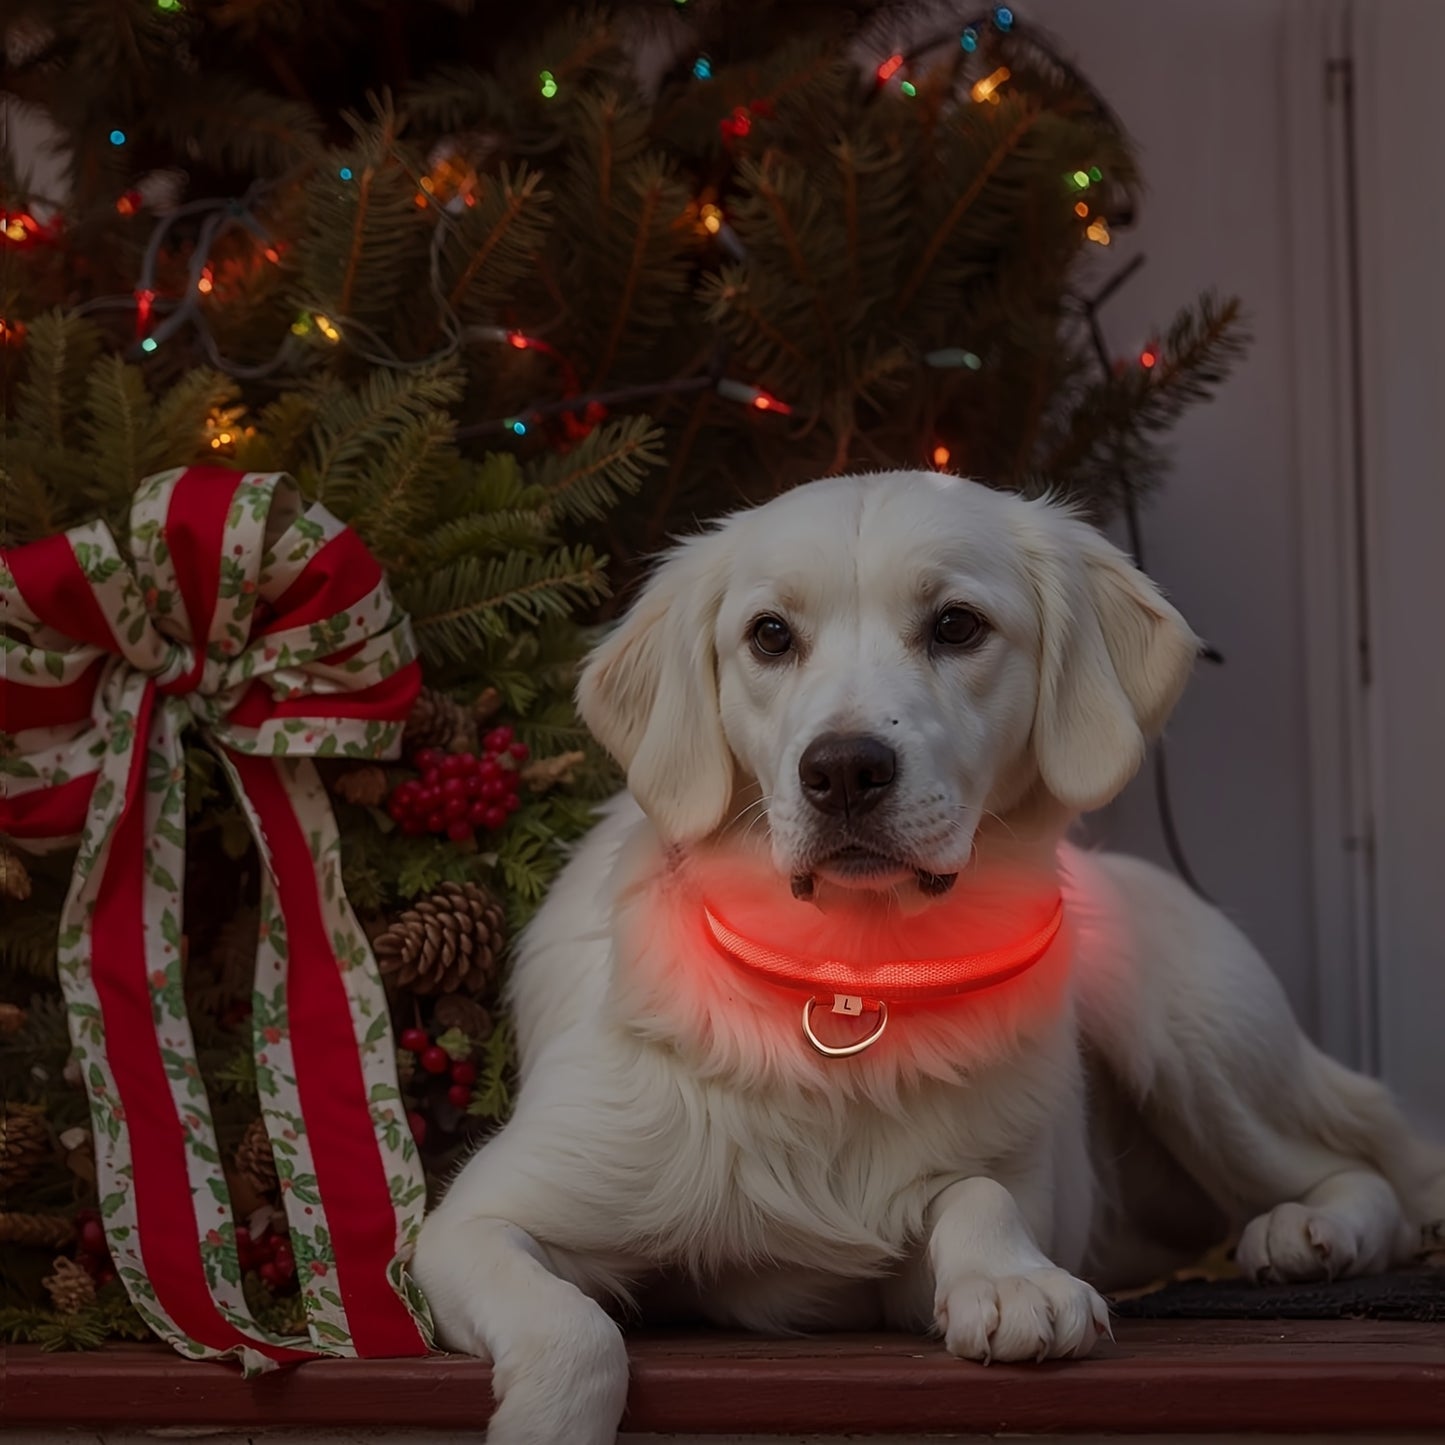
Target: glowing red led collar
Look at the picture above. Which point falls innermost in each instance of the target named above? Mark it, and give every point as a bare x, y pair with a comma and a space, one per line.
858, 988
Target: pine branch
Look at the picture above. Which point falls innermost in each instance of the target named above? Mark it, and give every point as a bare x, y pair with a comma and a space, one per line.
501, 237
763, 180
60, 352
178, 421
351, 424
492, 1099
397, 492
585, 483
463, 607
1026, 117
116, 429
236, 126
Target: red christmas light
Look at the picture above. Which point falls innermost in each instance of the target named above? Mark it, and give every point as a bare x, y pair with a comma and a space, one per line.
21, 230
941, 455
739, 123
144, 300
1148, 358
890, 68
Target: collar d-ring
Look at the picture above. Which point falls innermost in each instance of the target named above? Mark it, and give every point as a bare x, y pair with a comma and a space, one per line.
842, 1051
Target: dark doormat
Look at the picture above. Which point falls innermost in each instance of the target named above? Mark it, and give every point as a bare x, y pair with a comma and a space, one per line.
1416, 1294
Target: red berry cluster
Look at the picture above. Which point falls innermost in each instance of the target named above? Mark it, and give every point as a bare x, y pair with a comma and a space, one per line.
435, 1060
458, 793
91, 1251
270, 1256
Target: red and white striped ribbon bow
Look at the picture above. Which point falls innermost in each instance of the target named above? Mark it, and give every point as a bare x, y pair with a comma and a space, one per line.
268, 626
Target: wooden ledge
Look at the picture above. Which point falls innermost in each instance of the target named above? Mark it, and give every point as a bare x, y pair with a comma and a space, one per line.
1326, 1377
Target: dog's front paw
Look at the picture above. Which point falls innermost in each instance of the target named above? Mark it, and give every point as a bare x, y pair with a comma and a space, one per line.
1295, 1242
1044, 1314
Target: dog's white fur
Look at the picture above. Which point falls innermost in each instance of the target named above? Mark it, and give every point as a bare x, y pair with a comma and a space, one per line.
1125, 1103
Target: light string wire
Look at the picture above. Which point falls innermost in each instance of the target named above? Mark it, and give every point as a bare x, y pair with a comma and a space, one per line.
1163, 796
225, 215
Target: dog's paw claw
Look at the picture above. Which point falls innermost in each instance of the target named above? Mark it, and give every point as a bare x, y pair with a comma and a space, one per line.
1044, 1314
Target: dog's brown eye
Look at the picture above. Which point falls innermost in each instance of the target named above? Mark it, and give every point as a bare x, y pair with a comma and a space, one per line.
771, 637
959, 627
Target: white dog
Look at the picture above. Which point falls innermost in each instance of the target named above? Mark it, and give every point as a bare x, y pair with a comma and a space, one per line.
808, 1039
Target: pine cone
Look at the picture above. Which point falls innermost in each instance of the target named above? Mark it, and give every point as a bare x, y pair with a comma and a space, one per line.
366, 786
70, 1286
12, 1019
254, 1160
457, 1011
37, 1231
448, 941
14, 880
24, 1142
438, 721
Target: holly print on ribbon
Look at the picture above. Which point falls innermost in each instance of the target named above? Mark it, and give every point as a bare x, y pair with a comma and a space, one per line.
270, 628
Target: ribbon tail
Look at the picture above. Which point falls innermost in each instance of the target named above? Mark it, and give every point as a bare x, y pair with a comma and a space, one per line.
121, 971
326, 1071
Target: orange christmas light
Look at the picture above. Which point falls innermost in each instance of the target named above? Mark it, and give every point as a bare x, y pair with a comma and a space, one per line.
986, 89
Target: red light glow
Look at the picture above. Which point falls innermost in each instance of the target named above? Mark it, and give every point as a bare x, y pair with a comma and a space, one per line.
144, 300
941, 456
890, 68
1147, 359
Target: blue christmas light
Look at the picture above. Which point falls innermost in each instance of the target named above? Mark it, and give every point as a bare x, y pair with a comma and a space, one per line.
149, 344
1003, 17
345, 173
117, 137
969, 40
518, 426
702, 68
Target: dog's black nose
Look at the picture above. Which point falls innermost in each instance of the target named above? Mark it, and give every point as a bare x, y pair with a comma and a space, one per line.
846, 775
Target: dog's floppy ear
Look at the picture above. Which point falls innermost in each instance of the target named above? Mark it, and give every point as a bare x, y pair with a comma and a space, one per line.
1115, 656
649, 694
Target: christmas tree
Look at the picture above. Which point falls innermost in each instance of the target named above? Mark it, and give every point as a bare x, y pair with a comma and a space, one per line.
518, 294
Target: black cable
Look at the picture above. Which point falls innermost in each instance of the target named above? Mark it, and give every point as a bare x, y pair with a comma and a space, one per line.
1163, 798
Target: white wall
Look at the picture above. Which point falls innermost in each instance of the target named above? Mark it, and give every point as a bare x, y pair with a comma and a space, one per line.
1402, 191
1289, 772
1198, 85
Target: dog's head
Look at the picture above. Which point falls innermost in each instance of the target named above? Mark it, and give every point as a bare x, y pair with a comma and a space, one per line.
879, 664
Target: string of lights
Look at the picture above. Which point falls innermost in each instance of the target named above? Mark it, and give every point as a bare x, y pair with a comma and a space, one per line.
159, 318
